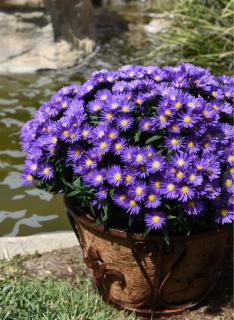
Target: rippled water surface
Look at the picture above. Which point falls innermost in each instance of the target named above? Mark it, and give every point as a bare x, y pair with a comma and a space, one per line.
24, 210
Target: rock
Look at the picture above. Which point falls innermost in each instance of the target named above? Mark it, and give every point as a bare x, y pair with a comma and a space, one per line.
22, 4
29, 45
72, 22
156, 25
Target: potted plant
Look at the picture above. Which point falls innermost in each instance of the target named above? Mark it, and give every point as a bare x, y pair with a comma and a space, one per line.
143, 157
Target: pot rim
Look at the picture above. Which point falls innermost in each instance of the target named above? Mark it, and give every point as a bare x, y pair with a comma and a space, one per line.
84, 218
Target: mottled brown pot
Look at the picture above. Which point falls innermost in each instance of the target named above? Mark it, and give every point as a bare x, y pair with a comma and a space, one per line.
144, 274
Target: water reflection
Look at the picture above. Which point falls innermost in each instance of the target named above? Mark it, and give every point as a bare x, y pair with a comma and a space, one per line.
25, 211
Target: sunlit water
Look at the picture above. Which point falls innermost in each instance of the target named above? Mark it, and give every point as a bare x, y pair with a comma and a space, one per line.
24, 210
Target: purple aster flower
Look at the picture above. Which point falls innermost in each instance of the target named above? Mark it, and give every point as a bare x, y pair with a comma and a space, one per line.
152, 199
126, 155
115, 175
174, 142
169, 190
185, 192
46, 172
126, 106
225, 214
120, 197
95, 106
107, 116
156, 164
101, 193
118, 146
228, 184
112, 134
86, 132
137, 191
187, 119
27, 179
74, 152
124, 122
146, 124
194, 178
194, 207
155, 220
180, 160
102, 146
139, 156
132, 206
129, 176
103, 95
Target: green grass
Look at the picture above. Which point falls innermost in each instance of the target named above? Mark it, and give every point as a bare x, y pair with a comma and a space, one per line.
201, 32
24, 298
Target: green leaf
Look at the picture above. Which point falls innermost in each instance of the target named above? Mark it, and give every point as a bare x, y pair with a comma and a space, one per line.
171, 217
152, 139
73, 193
105, 217
130, 221
137, 136
146, 232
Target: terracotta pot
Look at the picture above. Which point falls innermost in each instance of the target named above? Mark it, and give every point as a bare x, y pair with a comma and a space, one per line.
144, 274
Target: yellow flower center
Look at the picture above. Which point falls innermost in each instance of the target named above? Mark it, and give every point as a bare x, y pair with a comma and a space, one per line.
64, 104
167, 112
46, 171
98, 178
112, 135
190, 144
132, 74
109, 78
215, 107
191, 204
151, 198
162, 119
191, 105
199, 167
128, 178
109, 116
174, 127
132, 203
122, 197
157, 78
205, 112
139, 158
214, 93
156, 219
180, 162
89, 88
156, 164
96, 107
33, 167
54, 139
77, 152
224, 212
139, 191
157, 184
227, 94
89, 162
117, 176
72, 136
230, 158
118, 146
85, 133
179, 174
185, 189
178, 105
114, 106
228, 183
146, 125
65, 133
192, 177
187, 119
124, 122
104, 97
103, 145
125, 108
206, 145
52, 150
231, 170
170, 187
29, 177
174, 142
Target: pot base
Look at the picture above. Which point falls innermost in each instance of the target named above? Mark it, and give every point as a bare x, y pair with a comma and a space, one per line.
143, 274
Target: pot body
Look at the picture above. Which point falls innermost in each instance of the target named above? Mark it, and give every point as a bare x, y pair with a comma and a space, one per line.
144, 274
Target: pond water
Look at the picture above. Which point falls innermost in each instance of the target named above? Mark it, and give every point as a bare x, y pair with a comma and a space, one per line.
24, 210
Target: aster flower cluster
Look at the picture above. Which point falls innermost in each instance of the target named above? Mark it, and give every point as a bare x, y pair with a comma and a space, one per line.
155, 142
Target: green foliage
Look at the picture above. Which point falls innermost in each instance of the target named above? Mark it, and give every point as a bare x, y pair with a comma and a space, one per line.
201, 32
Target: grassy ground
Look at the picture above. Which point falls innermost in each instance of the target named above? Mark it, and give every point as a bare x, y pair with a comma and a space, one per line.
55, 286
